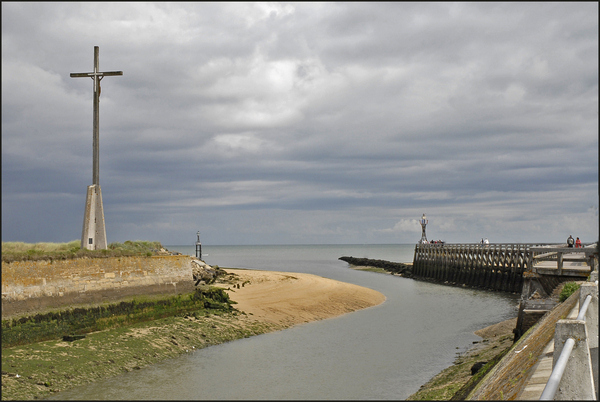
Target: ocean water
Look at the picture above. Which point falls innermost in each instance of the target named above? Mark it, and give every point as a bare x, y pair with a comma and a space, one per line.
383, 352
312, 259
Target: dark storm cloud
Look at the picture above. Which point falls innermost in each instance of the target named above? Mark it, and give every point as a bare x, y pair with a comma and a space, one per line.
303, 122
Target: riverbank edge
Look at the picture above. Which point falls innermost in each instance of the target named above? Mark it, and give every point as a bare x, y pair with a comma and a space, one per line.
497, 339
43, 369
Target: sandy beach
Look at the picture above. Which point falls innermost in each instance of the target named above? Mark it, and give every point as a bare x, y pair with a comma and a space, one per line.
293, 298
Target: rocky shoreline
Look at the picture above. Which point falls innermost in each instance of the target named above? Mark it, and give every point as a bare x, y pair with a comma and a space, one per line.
397, 268
448, 384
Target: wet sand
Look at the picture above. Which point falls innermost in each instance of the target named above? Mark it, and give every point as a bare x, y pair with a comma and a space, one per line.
294, 298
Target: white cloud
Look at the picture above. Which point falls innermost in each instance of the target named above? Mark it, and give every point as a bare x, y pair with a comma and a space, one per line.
404, 225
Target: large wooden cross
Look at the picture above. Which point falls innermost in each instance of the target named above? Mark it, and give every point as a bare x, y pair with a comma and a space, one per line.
93, 236
96, 76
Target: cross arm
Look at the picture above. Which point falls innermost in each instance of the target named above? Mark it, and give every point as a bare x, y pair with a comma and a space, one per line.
112, 73
76, 75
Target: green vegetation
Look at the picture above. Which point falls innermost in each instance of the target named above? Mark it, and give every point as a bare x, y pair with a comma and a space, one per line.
54, 325
41, 369
463, 392
568, 290
19, 251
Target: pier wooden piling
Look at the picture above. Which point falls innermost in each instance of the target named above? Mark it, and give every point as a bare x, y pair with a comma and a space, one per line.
490, 266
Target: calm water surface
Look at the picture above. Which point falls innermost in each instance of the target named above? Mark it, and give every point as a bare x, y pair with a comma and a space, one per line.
383, 352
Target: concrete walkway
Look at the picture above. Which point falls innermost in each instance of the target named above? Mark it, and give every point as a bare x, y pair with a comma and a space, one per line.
543, 368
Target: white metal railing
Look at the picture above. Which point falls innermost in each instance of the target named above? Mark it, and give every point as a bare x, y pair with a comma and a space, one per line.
572, 376
557, 372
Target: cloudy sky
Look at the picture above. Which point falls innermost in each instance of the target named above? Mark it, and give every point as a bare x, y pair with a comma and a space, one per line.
303, 123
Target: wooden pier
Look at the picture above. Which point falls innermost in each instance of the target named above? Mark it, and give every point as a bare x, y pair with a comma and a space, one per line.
533, 270
503, 266
494, 266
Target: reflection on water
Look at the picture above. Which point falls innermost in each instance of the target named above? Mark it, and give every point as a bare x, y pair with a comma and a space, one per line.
384, 352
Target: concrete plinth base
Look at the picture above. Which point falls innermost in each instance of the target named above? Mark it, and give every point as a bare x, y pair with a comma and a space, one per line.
93, 236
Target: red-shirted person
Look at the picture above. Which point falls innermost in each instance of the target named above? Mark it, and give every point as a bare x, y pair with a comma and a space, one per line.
578, 243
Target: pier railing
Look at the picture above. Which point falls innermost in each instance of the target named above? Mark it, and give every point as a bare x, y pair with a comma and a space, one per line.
560, 258
572, 374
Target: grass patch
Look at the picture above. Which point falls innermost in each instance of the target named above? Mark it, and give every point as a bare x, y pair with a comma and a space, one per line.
568, 290
19, 251
39, 247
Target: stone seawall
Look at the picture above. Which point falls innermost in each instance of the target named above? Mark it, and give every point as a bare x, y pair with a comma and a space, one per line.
29, 286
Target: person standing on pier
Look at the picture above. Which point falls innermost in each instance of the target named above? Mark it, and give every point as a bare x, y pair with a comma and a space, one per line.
578, 243
570, 241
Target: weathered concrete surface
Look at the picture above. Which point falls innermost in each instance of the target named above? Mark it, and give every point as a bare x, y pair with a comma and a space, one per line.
590, 289
93, 235
28, 286
577, 380
509, 376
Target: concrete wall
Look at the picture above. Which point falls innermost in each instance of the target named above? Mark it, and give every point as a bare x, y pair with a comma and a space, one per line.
29, 286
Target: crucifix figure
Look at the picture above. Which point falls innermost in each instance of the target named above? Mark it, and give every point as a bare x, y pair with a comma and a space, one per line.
94, 232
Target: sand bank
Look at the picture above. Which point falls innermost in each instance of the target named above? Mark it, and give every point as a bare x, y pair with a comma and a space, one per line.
288, 299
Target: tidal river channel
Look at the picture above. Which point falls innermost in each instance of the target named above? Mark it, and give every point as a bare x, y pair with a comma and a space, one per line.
383, 352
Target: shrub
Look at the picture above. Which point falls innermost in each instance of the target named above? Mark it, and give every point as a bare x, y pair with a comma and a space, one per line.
568, 290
